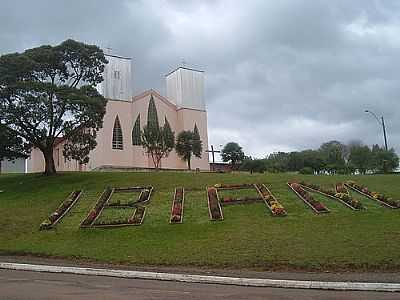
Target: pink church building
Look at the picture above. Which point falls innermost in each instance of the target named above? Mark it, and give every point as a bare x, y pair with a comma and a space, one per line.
117, 142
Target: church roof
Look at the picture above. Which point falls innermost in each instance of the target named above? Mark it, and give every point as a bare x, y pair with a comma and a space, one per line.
185, 68
117, 56
154, 93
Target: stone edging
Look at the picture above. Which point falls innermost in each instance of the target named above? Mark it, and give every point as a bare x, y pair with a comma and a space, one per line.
255, 282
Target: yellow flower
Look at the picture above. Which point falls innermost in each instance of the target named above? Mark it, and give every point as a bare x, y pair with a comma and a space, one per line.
276, 205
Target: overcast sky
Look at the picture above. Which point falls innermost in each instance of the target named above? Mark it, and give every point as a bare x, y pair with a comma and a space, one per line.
280, 75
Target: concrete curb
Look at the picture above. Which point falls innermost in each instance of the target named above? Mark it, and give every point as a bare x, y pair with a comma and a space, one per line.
254, 282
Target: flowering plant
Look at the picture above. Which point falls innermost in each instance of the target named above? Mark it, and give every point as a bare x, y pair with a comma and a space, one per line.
60, 211
177, 206
46, 224
213, 204
374, 195
307, 197
276, 208
341, 188
138, 216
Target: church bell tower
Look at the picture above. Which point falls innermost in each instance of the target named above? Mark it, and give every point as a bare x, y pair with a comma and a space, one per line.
117, 83
185, 88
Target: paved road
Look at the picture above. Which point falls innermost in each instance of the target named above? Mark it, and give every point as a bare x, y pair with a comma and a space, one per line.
21, 285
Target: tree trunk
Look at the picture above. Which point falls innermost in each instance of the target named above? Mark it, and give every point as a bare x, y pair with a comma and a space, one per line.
50, 167
189, 167
158, 162
155, 162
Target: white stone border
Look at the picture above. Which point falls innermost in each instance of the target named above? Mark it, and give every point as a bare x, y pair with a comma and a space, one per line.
255, 282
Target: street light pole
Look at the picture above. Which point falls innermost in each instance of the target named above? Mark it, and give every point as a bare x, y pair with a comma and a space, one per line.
384, 133
382, 123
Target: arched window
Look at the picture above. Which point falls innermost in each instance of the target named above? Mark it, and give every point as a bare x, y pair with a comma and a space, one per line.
136, 132
117, 140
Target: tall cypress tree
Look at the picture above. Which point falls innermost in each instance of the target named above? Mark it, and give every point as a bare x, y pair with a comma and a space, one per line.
136, 132
196, 132
152, 117
157, 141
197, 143
168, 136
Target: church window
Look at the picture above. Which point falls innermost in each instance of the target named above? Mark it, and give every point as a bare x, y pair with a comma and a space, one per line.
136, 132
116, 74
117, 140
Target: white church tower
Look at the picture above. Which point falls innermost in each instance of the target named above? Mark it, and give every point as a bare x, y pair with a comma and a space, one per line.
185, 88
117, 83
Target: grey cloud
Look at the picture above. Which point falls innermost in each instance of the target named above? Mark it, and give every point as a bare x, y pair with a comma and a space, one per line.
281, 75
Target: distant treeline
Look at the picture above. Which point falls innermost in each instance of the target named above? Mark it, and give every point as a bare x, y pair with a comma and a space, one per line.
331, 158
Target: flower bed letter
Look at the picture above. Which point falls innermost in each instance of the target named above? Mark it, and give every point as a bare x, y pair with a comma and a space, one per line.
61, 211
340, 193
95, 212
177, 206
272, 203
315, 205
116, 214
380, 198
214, 207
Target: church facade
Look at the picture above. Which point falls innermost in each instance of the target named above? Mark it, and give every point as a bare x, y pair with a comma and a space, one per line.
118, 142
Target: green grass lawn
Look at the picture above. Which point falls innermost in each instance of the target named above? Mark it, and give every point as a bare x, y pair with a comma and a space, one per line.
110, 214
247, 238
241, 193
124, 198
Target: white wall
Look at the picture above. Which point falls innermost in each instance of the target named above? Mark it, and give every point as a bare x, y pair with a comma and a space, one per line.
13, 166
117, 84
185, 88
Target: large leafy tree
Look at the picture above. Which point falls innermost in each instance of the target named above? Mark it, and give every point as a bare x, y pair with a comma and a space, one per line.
313, 159
278, 162
188, 145
253, 165
233, 153
49, 92
360, 157
157, 141
334, 154
383, 161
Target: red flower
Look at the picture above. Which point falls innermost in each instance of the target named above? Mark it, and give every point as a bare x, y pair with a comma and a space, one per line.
177, 210
319, 206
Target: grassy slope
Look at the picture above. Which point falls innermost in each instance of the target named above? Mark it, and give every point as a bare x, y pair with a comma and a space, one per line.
248, 237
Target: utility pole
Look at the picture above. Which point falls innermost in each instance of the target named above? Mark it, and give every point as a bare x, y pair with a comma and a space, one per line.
384, 133
382, 123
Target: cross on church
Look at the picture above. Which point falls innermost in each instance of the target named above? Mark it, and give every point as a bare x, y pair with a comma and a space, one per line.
212, 151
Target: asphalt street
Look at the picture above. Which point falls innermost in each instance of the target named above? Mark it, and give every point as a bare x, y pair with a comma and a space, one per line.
23, 285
